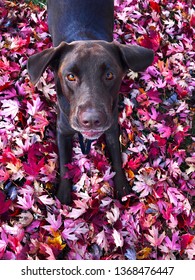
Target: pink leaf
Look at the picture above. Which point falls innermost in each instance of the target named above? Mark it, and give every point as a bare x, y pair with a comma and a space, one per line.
55, 224
113, 215
45, 199
10, 108
102, 240
68, 234
26, 202
165, 131
154, 237
174, 168
47, 251
118, 239
35, 107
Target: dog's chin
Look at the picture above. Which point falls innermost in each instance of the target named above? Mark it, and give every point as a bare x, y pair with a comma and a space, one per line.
92, 134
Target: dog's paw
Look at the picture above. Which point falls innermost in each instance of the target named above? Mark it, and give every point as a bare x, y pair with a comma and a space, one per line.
64, 192
122, 187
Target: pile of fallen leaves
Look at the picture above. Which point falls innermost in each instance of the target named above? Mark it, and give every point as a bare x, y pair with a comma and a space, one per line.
156, 115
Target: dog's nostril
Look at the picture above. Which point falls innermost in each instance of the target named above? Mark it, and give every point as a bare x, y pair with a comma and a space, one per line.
90, 119
86, 122
90, 122
97, 122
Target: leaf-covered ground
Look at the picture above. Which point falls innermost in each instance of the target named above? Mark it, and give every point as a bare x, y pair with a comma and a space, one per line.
157, 221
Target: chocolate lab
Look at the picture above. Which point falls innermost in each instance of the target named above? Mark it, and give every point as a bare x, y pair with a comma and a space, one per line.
88, 68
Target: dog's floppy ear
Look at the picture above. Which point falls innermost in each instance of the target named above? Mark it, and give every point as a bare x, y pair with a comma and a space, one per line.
37, 63
135, 58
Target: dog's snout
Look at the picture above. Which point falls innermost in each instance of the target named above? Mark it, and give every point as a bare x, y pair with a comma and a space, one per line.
91, 118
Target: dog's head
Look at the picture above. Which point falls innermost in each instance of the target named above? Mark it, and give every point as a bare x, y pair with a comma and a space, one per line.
89, 74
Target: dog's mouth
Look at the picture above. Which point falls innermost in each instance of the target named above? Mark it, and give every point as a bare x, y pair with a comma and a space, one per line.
91, 134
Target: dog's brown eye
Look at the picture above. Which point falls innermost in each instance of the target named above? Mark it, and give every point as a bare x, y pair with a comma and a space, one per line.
109, 76
71, 77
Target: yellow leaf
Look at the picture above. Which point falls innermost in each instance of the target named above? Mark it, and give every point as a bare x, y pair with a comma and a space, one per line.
49, 186
144, 253
56, 241
130, 174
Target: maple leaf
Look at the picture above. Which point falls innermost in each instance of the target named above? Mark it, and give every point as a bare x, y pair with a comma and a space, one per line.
130, 254
154, 237
135, 163
56, 241
46, 200
4, 175
74, 172
3, 245
8, 156
40, 122
165, 131
17, 43
186, 240
46, 251
5, 82
165, 209
118, 239
35, 107
33, 168
190, 251
151, 40
81, 228
108, 174
80, 209
113, 215
68, 234
155, 6
15, 170
26, 202
171, 244
10, 108
49, 170
144, 182
55, 224
174, 168
144, 114
144, 253
102, 240
179, 200
173, 222
73, 229
192, 20
4, 204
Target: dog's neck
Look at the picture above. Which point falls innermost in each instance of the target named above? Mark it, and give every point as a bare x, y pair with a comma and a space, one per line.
83, 34
81, 20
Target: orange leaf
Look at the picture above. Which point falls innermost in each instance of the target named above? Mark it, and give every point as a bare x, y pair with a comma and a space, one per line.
144, 253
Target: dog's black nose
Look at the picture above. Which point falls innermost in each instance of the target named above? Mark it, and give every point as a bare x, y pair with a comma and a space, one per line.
91, 118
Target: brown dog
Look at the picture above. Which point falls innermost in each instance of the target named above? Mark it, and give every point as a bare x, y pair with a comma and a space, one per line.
88, 68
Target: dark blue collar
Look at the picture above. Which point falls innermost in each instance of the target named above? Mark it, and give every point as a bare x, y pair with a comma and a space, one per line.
85, 144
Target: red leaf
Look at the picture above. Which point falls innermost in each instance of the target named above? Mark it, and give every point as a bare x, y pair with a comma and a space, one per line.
73, 173
8, 156
150, 41
186, 239
135, 163
192, 21
155, 6
33, 168
4, 175
4, 204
